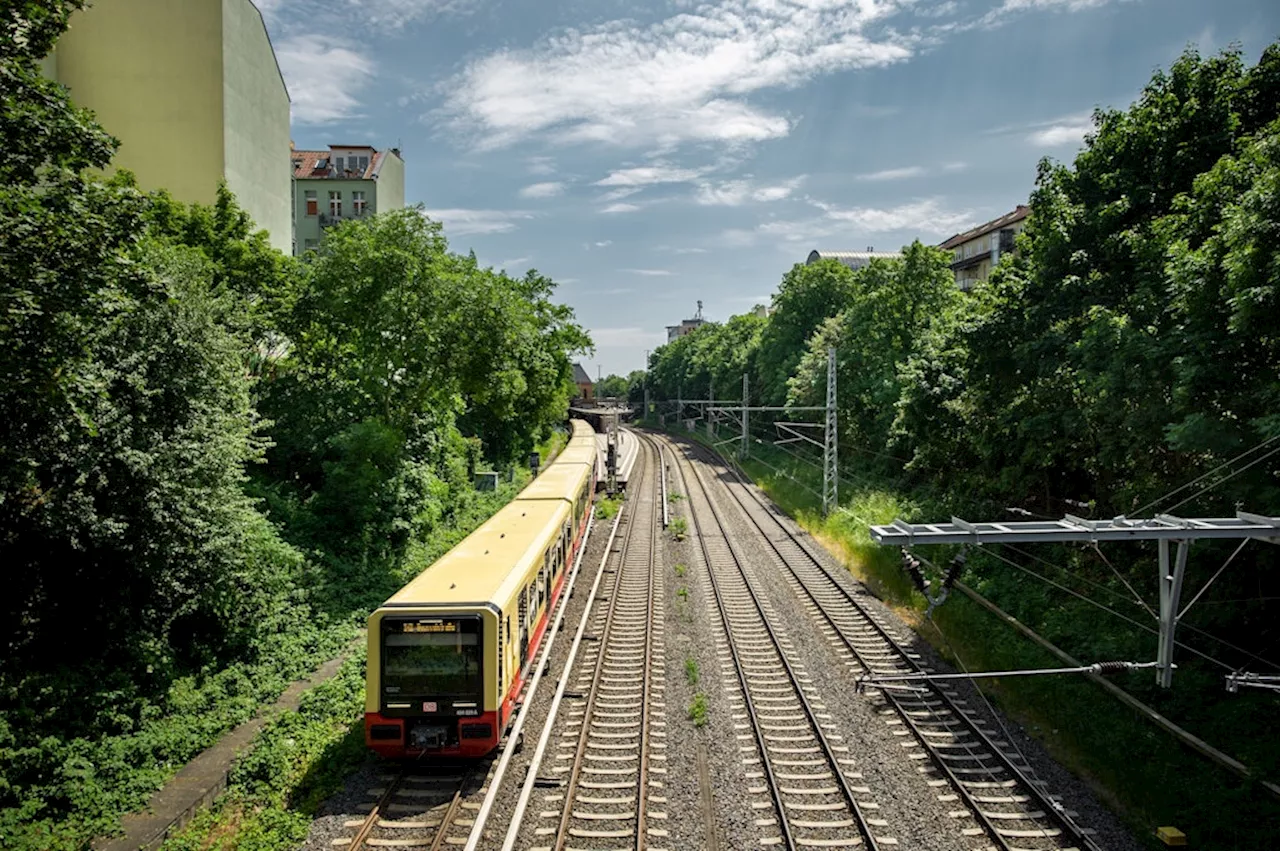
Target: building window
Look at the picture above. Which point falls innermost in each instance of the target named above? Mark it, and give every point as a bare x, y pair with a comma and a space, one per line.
364, 164
309, 245
335, 204
358, 203
313, 204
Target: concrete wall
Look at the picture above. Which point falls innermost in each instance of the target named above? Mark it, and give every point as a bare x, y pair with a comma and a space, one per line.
256, 120
152, 72
391, 183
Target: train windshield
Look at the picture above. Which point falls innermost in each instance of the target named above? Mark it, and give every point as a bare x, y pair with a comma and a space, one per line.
431, 657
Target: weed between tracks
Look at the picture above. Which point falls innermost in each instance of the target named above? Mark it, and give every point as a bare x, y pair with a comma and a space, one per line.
679, 528
607, 508
691, 671
698, 710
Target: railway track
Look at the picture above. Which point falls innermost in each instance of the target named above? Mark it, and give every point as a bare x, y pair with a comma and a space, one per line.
416, 809
796, 763
1005, 803
604, 786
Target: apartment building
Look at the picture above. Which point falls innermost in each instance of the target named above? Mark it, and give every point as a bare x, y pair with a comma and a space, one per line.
344, 182
853, 259
192, 90
686, 326
976, 252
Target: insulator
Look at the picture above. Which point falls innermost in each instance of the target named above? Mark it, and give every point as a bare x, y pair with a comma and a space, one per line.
912, 565
1111, 667
953, 571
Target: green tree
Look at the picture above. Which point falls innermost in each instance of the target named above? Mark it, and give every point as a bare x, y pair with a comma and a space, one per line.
611, 386
1070, 376
808, 295
126, 421
896, 307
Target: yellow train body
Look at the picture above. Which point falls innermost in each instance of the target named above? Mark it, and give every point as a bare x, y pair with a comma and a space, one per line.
449, 652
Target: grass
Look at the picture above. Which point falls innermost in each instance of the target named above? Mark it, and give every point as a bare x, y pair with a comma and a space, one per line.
681, 570
679, 528
1138, 770
683, 594
691, 670
698, 710
608, 507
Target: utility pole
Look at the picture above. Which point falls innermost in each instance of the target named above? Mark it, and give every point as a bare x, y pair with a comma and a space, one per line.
679, 406
830, 462
743, 452
1170, 594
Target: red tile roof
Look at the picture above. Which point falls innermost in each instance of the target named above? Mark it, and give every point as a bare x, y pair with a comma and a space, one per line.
1019, 213
305, 163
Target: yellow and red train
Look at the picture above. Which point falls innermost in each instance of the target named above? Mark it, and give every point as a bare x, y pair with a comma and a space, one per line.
449, 652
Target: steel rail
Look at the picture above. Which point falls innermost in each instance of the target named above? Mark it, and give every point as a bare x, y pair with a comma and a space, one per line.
531, 776
642, 782
449, 815
517, 729
828, 751
598, 676
371, 821
1047, 804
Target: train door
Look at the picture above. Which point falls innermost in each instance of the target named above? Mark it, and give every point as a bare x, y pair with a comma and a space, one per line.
524, 625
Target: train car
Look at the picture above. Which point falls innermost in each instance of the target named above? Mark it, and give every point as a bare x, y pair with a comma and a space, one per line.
450, 652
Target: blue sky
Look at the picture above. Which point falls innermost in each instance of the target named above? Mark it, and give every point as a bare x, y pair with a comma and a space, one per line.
649, 154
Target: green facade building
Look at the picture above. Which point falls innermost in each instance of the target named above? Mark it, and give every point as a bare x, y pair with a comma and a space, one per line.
192, 90
344, 182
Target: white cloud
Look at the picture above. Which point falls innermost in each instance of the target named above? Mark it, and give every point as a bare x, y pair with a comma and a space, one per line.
1067, 131
1001, 14
690, 250
1051, 133
926, 216
619, 194
620, 208
458, 221
649, 273
604, 243
950, 7
514, 261
852, 226
369, 15
650, 174
894, 173
683, 79
310, 64
1068, 5
542, 190
734, 193
542, 165
954, 166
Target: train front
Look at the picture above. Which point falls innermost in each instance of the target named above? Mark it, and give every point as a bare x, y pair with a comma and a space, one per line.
429, 691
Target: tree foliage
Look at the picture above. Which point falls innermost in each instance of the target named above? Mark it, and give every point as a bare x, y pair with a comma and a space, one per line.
208, 450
